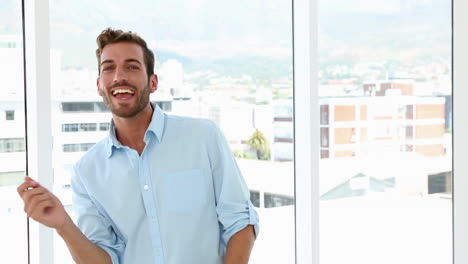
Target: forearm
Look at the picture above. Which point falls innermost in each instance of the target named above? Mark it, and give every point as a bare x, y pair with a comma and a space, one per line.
44, 207
240, 245
81, 248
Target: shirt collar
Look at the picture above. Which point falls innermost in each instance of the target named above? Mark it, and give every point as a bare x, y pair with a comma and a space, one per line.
156, 127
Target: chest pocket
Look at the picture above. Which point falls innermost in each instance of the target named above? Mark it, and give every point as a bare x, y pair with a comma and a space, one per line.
185, 191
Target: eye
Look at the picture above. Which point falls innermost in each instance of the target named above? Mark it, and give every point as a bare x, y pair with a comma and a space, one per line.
108, 68
133, 67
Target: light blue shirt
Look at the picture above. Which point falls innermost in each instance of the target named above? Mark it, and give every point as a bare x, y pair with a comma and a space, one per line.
178, 203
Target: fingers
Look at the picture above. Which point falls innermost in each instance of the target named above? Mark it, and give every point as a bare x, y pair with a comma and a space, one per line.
30, 195
35, 196
27, 189
28, 184
27, 178
38, 203
38, 211
41, 205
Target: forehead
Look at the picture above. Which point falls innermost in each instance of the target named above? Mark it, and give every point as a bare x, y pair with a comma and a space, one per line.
122, 51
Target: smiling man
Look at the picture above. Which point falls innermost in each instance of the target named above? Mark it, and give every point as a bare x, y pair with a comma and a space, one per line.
159, 189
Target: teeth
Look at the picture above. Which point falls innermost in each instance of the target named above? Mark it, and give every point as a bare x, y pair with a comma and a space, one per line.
118, 91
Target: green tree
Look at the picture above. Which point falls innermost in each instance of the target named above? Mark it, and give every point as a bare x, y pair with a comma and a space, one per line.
259, 143
243, 155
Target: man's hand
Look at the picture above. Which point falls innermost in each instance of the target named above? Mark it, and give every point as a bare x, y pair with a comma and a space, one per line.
42, 205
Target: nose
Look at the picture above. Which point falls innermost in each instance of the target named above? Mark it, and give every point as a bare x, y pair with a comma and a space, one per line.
120, 75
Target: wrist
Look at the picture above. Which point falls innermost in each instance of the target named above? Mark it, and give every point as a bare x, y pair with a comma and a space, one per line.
66, 227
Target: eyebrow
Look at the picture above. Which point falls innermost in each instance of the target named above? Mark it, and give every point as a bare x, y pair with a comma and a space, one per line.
127, 60
133, 60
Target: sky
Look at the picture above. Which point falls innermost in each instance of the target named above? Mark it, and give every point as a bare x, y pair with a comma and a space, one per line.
369, 30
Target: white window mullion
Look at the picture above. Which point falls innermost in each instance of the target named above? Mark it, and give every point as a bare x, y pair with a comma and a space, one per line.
306, 130
460, 131
39, 117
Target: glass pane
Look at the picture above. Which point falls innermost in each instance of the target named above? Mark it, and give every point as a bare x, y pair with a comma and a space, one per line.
235, 70
12, 136
386, 131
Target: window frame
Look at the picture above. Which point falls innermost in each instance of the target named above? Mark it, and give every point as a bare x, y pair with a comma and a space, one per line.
460, 130
306, 126
38, 118
306, 130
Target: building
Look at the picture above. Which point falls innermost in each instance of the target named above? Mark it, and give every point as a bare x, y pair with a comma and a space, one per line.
283, 135
388, 119
12, 121
12, 143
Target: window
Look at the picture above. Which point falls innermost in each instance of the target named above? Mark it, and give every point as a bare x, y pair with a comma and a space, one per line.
277, 200
387, 177
86, 146
324, 137
409, 112
104, 126
9, 115
12, 145
255, 198
71, 148
100, 107
242, 88
324, 115
13, 226
88, 127
85, 127
165, 106
440, 183
80, 147
364, 25
70, 127
83, 107
77, 107
409, 132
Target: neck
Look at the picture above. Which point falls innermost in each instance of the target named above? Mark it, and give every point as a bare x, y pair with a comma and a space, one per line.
131, 131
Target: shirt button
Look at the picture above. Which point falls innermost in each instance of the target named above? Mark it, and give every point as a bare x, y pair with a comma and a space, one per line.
146, 187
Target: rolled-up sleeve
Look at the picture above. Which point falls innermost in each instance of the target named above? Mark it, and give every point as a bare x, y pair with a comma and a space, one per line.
235, 217
93, 221
233, 206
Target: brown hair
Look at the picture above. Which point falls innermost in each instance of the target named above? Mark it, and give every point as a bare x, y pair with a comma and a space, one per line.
109, 36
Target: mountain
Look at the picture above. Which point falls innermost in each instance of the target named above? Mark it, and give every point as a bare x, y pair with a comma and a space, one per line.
238, 36
385, 30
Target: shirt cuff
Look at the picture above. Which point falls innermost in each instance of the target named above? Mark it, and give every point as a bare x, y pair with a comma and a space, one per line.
253, 219
236, 218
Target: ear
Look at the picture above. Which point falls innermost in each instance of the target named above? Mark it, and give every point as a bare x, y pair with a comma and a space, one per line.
153, 83
97, 85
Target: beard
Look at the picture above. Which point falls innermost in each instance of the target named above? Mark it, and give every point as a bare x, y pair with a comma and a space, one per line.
125, 110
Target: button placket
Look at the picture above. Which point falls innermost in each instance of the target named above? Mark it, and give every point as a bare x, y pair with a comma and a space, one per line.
149, 203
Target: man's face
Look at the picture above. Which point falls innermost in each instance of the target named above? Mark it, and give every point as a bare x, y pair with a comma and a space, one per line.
123, 82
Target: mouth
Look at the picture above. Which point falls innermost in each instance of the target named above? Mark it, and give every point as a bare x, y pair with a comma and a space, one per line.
123, 93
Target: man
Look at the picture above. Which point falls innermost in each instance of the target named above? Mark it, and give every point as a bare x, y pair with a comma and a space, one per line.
159, 189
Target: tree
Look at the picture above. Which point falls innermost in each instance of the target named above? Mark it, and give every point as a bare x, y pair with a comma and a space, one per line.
259, 143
